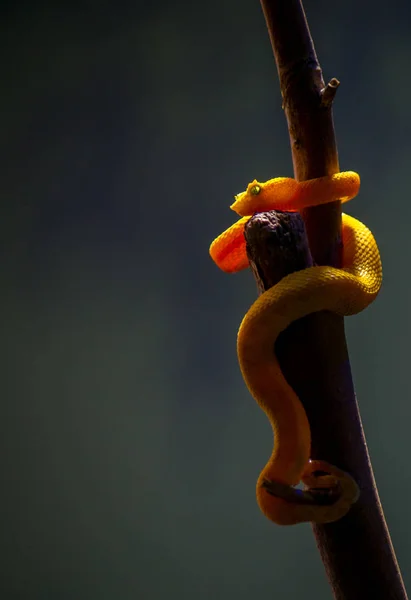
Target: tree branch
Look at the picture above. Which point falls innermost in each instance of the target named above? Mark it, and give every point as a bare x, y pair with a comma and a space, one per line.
357, 552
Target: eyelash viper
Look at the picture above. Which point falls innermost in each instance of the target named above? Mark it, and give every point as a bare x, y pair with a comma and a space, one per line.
344, 291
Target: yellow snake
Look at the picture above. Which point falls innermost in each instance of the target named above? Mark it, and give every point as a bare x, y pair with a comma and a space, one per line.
344, 291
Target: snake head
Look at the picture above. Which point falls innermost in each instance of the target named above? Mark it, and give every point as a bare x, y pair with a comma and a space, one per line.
276, 193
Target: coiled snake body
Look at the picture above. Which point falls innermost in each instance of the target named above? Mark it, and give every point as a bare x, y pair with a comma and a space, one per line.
345, 291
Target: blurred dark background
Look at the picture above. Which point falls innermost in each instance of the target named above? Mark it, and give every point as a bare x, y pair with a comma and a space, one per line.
129, 443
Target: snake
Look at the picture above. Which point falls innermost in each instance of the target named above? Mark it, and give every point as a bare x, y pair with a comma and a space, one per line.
344, 291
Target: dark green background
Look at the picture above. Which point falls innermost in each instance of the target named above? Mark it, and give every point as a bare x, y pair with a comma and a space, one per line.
130, 445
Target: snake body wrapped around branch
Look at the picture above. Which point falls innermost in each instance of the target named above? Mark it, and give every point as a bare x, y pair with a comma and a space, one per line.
344, 291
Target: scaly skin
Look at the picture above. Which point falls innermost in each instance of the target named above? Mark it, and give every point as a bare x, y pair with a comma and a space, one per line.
345, 291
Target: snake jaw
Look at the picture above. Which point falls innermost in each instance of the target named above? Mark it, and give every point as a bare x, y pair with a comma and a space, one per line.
238, 202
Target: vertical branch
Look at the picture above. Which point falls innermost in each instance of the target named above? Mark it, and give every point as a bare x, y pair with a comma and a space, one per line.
357, 551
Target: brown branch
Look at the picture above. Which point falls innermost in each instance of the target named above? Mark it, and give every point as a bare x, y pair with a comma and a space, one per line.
357, 552
328, 93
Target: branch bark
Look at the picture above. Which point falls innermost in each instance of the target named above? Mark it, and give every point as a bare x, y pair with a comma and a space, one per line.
357, 552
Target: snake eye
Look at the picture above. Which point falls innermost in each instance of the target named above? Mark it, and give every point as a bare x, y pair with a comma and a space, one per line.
256, 189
